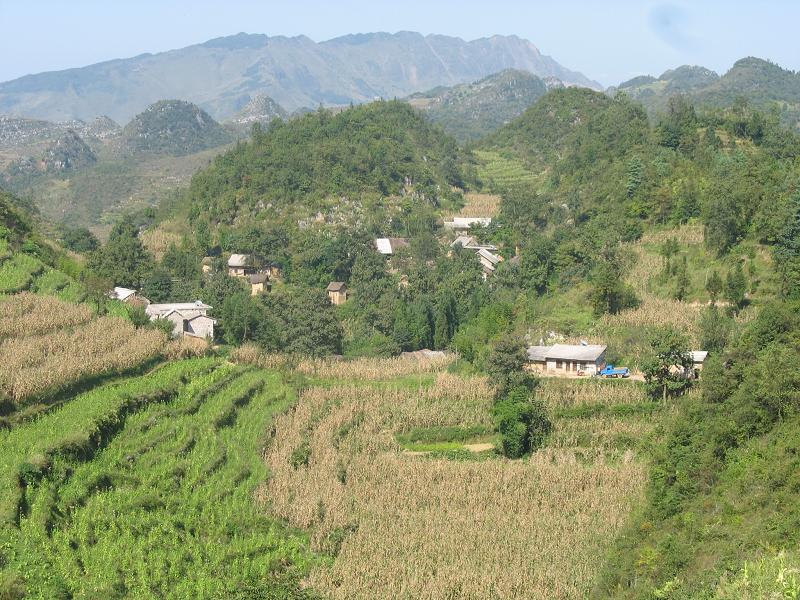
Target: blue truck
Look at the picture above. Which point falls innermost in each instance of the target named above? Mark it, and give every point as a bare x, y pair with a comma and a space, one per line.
611, 371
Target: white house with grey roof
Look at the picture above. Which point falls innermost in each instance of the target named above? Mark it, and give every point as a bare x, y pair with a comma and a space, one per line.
578, 359
188, 318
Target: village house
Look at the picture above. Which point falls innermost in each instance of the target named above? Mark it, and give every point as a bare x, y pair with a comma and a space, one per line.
468, 242
188, 318
128, 296
337, 292
464, 223
583, 359
390, 246
489, 261
259, 282
698, 360
240, 265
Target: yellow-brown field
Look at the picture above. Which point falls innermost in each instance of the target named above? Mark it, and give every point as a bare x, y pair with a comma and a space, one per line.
47, 344
403, 525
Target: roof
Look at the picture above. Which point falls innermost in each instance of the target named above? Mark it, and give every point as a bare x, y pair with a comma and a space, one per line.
336, 286
390, 245
165, 309
470, 243
259, 278
238, 260
465, 222
537, 353
565, 352
698, 356
121, 293
492, 258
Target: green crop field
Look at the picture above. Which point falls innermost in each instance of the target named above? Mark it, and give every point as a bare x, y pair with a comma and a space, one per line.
147, 489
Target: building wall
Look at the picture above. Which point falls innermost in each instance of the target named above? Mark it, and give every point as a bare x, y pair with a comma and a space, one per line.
200, 327
337, 298
256, 288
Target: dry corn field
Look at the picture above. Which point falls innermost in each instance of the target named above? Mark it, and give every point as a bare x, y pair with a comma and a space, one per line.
559, 393
29, 314
374, 369
403, 526
479, 205
49, 345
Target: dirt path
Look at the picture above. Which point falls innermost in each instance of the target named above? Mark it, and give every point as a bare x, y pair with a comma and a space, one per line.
479, 447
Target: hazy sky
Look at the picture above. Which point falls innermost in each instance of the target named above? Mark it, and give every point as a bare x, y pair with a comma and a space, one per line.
608, 41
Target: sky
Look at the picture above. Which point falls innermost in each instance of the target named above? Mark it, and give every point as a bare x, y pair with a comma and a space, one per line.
609, 41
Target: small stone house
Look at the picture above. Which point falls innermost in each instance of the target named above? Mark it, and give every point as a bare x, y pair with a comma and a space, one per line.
390, 246
240, 265
337, 292
489, 261
567, 359
128, 296
464, 223
698, 360
259, 282
188, 318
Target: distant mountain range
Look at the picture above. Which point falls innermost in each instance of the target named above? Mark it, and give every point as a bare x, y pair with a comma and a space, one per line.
225, 74
762, 83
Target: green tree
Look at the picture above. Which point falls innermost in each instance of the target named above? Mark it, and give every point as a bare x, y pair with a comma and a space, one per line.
522, 422
714, 286
123, 259
609, 294
682, 281
506, 366
736, 286
715, 329
157, 286
80, 239
666, 367
241, 318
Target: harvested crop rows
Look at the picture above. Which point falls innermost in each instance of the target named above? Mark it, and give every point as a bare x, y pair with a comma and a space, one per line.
407, 526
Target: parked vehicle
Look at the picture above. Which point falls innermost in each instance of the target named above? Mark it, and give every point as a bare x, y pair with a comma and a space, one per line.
611, 371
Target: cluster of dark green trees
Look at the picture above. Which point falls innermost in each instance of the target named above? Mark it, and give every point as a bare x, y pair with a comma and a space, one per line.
724, 483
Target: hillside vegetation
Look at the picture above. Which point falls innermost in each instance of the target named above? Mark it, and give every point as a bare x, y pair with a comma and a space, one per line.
761, 83
471, 111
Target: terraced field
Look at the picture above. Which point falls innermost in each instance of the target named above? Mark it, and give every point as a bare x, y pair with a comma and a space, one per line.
396, 480
21, 272
501, 173
145, 489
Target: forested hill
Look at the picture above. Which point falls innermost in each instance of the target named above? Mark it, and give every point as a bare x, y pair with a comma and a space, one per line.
563, 119
376, 150
173, 127
759, 82
471, 111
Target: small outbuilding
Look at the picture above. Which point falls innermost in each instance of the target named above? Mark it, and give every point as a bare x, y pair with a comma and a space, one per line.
698, 360
465, 223
567, 358
337, 292
259, 282
240, 265
390, 246
128, 296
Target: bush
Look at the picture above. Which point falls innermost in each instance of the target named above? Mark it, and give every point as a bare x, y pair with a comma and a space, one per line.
522, 423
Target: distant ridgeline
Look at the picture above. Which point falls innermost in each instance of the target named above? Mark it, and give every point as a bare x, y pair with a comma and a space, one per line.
761, 83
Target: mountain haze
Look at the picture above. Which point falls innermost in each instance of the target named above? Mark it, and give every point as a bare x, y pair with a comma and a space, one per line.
225, 74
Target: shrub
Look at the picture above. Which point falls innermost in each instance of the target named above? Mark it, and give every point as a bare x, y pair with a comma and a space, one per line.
522, 423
